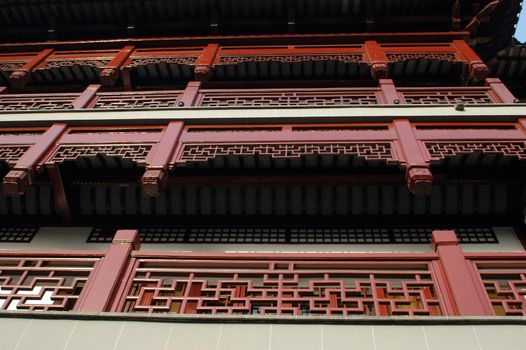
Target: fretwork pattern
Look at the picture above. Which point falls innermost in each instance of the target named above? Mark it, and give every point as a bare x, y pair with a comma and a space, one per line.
505, 284
439, 151
134, 152
283, 288
447, 97
230, 60
44, 284
137, 100
204, 153
11, 153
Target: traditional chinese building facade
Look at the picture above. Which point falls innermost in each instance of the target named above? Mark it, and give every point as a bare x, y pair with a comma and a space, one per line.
262, 174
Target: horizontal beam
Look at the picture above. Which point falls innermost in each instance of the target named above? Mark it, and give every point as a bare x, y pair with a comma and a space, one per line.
307, 114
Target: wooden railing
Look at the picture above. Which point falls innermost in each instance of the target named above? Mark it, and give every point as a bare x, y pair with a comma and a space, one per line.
194, 96
443, 282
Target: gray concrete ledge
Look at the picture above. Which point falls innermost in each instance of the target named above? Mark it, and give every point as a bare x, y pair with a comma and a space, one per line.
274, 319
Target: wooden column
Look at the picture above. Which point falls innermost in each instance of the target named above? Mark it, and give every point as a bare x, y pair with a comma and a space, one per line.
107, 276
466, 293
18, 180
155, 177
20, 77
418, 176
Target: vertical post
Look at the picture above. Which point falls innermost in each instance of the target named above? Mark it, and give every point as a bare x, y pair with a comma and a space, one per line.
20, 77
18, 179
190, 94
155, 177
59, 193
418, 175
466, 293
377, 59
99, 293
3, 89
389, 94
86, 97
203, 66
500, 90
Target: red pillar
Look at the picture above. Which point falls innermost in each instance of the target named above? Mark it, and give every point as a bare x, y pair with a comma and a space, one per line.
389, 94
86, 97
107, 276
190, 94
466, 293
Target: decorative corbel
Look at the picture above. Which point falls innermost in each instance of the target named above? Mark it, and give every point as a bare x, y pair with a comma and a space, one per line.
155, 178
203, 67
20, 77
477, 70
21, 176
418, 175
110, 73
376, 59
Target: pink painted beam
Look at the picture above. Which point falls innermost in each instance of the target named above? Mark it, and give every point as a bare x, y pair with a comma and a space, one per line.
107, 276
155, 177
418, 175
3, 89
190, 94
20, 77
86, 97
463, 288
501, 91
18, 180
388, 92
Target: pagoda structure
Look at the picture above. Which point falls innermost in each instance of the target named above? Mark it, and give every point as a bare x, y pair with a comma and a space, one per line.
233, 174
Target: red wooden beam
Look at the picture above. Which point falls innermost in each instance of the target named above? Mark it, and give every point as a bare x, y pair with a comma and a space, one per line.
18, 180
388, 92
59, 194
468, 296
418, 176
20, 77
377, 59
111, 72
203, 67
155, 177
477, 69
3, 89
98, 294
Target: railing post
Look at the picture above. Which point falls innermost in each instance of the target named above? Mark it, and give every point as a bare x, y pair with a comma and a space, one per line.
86, 97
105, 279
462, 288
500, 90
389, 94
190, 93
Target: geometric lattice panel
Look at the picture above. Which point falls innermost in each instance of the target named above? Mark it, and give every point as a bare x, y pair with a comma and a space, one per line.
294, 235
17, 234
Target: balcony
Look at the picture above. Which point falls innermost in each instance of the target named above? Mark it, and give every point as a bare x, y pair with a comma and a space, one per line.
444, 282
194, 96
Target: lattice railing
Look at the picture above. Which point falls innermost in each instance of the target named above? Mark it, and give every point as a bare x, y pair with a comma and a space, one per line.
43, 283
283, 287
248, 98
505, 285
